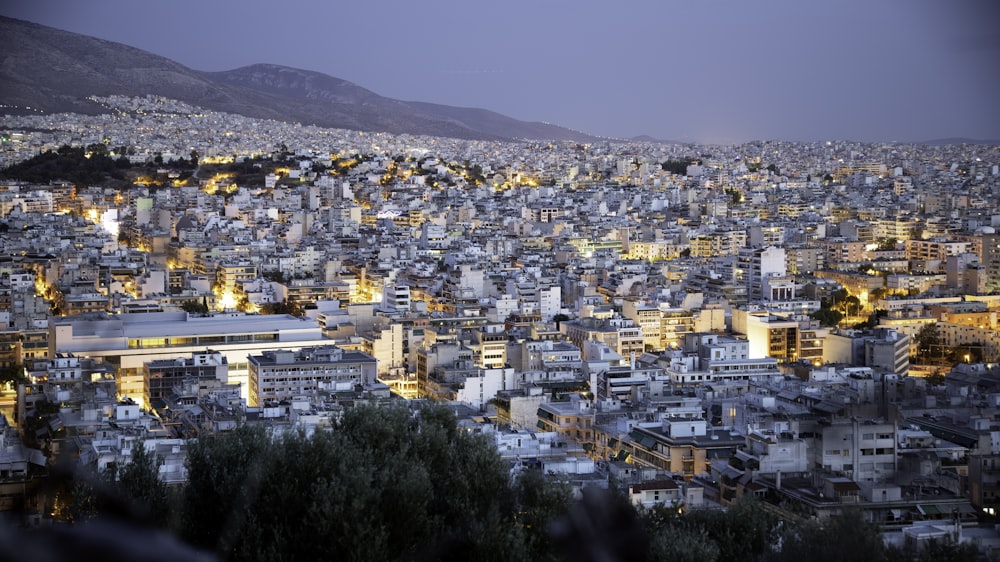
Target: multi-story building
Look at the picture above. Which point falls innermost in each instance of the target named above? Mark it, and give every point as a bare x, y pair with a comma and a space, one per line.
648, 317
622, 335
990, 259
769, 335
722, 243
757, 265
804, 259
385, 342
128, 341
882, 348
432, 355
860, 450
936, 249
710, 358
572, 420
161, 376
678, 445
283, 374
843, 251
396, 296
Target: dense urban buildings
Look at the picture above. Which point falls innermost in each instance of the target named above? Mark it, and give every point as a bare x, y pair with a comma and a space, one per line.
811, 323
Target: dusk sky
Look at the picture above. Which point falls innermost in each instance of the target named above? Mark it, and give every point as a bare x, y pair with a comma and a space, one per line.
704, 71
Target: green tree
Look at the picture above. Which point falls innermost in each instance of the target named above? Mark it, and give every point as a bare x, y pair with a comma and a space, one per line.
878, 293
559, 318
679, 544
678, 167
284, 307
837, 298
745, 531
224, 477
928, 341
383, 484
851, 303
13, 374
74, 500
195, 307
139, 482
827, 316
539, 501
845, 537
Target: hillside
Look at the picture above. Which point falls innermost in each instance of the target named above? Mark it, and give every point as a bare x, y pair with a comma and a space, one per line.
54, 71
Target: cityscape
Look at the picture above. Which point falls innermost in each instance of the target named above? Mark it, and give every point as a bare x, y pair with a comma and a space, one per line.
801, 331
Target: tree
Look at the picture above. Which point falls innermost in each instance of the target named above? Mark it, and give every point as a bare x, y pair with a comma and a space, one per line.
139, 481
12, 374
827, 316
928, 341
844, 537
878, 293
743, 532
874, 319
887, 243
224, 476
539, 501
678, 167
195, 307
837, 298
683, 545
850, 303
559, 318
385, 483
284, 307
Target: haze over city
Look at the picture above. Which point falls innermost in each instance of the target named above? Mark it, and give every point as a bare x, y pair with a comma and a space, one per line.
712, 72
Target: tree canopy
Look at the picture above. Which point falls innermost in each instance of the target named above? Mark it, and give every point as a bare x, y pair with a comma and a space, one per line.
395, 483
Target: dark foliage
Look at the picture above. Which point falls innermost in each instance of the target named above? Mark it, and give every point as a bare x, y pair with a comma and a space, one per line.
69, 164
678, 167
397, 484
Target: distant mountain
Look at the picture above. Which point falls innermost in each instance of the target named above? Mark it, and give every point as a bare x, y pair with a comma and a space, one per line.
649, 139
54, 71
959, 140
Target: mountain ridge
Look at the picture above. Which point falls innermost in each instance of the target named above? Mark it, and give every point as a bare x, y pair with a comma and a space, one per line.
55, 71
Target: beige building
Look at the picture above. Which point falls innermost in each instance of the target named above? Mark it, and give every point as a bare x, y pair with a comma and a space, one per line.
622, 335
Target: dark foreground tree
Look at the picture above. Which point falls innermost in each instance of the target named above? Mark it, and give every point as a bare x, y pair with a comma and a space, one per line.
846, 537
399, 484
384, 484
139, 482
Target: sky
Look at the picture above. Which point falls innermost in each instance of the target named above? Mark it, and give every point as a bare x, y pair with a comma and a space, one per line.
710, 71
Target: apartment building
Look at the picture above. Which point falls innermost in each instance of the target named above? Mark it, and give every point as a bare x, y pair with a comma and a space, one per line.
622, 335
161, 376
284, 374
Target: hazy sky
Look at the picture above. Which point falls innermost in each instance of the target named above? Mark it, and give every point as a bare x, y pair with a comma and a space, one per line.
693, 70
